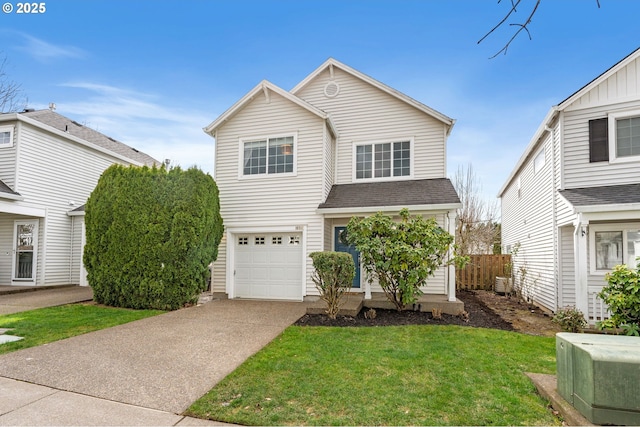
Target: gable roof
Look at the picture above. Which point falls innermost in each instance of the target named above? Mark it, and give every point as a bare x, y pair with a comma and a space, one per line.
330, 63
264, 87
606, 197
70, 127
553, 112
391, 195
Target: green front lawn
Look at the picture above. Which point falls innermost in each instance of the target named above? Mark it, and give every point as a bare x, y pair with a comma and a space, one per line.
45, 325
410, 375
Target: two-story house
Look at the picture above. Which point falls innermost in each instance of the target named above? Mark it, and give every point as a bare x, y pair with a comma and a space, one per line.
294, 166
572, 202
49, 165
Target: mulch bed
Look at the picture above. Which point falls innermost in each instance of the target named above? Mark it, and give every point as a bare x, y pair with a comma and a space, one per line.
479, 315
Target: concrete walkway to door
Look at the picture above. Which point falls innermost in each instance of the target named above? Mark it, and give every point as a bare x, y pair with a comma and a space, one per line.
163, 363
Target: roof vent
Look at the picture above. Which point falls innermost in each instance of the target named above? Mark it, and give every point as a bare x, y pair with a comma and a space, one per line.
331, 89
29, 110
52, 106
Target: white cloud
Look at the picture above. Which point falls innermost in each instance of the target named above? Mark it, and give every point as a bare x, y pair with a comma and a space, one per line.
144, 122
45, 52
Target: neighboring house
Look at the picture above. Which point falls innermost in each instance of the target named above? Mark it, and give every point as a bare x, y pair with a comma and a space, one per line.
573, 200
294, 166
49, 165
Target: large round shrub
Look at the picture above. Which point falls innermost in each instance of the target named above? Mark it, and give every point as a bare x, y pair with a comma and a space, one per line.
150, 236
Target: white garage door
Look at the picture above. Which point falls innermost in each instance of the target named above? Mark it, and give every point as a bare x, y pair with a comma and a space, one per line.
268, 266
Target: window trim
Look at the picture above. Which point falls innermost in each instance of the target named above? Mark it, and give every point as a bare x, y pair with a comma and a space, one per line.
243, 140
11, 130
624, 227
356, 144
613, 140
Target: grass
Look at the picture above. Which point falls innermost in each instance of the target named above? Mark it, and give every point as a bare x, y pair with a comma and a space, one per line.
410, 375
46, 325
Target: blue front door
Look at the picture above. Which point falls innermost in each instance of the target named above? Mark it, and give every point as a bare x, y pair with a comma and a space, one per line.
341, 247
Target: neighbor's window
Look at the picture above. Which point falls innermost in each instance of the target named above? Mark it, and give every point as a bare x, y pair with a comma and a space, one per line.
268, 156
615, 246
390, 159
538, 162
628, 137
6, 136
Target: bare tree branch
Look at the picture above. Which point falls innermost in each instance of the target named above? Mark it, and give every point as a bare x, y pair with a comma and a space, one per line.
521, 27
11, 97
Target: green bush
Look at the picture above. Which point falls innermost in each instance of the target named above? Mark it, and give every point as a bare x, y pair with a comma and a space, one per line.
400, 255
622, 296
570, 319
333, 276
150, 236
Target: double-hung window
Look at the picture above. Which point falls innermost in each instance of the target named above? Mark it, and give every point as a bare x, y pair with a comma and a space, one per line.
614, 245
383, 160
6, 136
268, 156
624, 136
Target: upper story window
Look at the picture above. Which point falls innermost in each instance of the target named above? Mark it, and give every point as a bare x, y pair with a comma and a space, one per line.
268, 156
383, 160
538, 162
628, 137
623, 134
6, 136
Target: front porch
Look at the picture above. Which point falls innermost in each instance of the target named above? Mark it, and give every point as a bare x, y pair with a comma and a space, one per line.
355, 302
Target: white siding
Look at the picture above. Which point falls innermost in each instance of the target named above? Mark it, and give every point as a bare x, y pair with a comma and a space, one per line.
77, 225
567, 267
328, 161
52, 173
270, 201
527, 218
8, 162
577, 169
364, 113
219, 269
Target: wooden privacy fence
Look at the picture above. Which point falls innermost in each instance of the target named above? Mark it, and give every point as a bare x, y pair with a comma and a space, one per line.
481, 271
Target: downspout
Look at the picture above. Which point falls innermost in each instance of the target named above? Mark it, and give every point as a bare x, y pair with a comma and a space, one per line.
554, 219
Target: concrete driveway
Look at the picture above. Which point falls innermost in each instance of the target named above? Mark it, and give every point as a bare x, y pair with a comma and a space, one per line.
163, 363
16, 302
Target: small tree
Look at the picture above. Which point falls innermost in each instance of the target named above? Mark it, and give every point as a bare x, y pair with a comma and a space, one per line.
400, 255
622, 296
151, 234
333, 277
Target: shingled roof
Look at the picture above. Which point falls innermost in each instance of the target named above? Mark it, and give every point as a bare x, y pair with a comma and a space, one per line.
606, 195
392, 194
4, 188
65, 124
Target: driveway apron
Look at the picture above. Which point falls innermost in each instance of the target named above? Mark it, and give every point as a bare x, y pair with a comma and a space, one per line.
164, 362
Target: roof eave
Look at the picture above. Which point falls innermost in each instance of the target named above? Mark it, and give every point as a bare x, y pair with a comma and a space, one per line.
614, 207
11, 196
363, 210
399, 95
261, 87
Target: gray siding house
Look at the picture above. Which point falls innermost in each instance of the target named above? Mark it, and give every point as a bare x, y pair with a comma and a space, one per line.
294, 166
49, 165
572, 201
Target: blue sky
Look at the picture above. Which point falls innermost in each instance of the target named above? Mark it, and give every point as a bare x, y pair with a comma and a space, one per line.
153, 73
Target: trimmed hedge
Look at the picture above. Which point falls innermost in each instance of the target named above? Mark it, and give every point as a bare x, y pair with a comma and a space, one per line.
150, 236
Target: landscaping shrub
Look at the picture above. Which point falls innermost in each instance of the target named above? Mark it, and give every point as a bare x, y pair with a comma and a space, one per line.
150, 235
622, 296
400, 255
333, 276
570, 319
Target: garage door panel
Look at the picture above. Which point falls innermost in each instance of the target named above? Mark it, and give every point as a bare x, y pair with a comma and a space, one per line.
269, 266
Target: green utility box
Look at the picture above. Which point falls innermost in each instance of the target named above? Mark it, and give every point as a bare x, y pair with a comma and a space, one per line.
599, 375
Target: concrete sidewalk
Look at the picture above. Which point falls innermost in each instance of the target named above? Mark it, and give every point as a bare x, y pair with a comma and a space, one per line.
31, 299
162, 363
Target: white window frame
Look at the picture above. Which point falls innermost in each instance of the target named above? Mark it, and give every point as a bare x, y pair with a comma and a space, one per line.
391, 141
9, 129
242, 141
613, 140
539, 161
622, 227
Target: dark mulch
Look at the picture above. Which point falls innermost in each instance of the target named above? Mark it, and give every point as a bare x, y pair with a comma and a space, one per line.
480, 316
